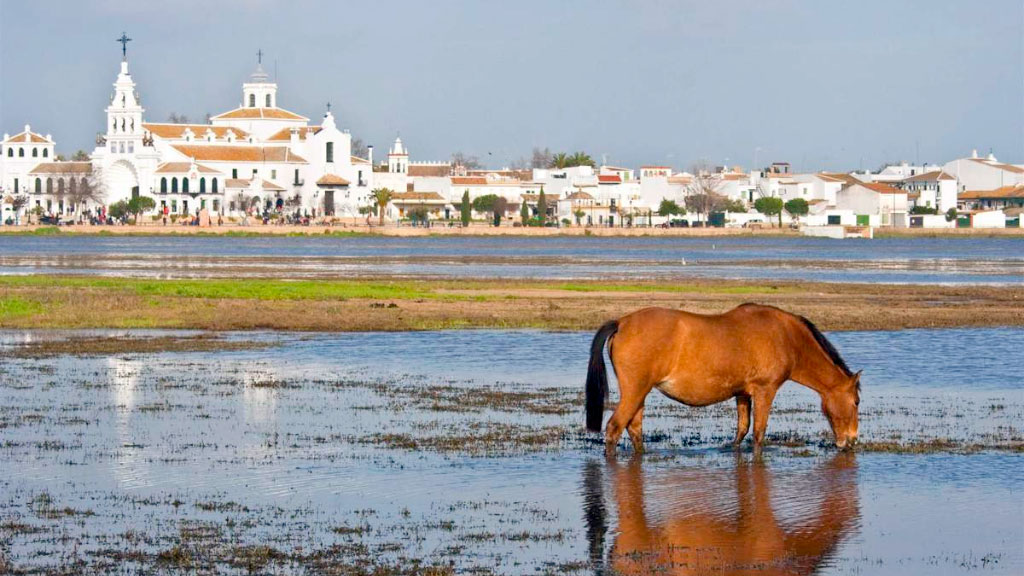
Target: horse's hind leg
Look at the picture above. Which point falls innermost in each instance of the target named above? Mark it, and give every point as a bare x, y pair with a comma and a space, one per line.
636, 432
743, 418
631, 398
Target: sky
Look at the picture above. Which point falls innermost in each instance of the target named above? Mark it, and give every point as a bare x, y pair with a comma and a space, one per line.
822, 85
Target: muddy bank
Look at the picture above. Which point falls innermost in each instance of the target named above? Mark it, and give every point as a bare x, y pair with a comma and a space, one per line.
401, 305
114, 345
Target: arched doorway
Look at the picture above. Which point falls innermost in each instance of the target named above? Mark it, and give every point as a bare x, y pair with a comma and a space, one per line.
122, 181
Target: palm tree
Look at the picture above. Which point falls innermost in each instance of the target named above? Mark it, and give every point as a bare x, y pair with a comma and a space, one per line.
581, 159
382, 196
560, 160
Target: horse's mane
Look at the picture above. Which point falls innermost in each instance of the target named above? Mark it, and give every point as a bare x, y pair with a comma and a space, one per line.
827, 346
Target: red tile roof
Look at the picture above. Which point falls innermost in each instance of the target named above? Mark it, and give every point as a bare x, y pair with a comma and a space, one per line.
609, 179
62, 168
929, 177
417, 196
221, 153
177, 131
429, 170
246, 182
28, 137
998, 193
880, 188
182, 168
469, 181
285, 134
332, 180
259, 114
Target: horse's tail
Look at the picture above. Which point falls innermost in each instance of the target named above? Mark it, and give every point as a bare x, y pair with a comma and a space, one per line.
597, 377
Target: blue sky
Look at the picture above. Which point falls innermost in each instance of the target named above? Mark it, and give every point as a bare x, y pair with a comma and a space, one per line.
823, 85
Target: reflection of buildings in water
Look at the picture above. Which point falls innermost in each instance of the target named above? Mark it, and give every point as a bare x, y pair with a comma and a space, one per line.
124, 376
259, 393
721, 521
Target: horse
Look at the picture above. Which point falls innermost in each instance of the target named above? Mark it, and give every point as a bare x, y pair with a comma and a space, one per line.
747, 353
723, 520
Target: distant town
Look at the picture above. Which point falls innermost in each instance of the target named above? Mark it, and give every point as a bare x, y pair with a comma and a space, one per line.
261, 164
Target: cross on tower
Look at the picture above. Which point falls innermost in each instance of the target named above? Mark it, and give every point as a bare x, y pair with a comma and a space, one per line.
259, 56
124, 40
328, 106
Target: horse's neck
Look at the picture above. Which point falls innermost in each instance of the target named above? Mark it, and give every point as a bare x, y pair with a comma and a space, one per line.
816, 370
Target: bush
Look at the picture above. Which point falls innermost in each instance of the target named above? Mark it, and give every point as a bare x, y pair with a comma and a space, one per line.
769, 206
669, 208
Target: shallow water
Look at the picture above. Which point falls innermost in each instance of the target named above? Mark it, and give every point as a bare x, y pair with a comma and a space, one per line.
307, 446
917, 260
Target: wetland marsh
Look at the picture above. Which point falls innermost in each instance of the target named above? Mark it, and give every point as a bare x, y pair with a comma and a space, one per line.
464, 452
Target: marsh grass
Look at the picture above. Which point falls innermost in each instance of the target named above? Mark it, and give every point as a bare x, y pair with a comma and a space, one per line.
220, 304
14, 307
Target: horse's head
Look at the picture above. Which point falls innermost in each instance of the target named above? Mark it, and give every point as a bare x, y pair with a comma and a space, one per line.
840, 406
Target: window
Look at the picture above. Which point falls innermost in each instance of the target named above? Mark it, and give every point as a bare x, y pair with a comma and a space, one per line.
60, 185
174, 206
10, 152
184, 185
268, 100
252, 100
202, 185
214, 185
73, 185
39, 185
174, 185
21, 152
163, 185
35, 152
273, 174
46, 153
234, 172
49, 185
296, 175
330, 152
216, 205
254, 171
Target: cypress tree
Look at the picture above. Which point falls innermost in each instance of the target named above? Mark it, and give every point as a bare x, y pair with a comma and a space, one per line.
466, 209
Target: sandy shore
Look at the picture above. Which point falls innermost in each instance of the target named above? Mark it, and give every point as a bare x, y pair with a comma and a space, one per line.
393, 305
473, 230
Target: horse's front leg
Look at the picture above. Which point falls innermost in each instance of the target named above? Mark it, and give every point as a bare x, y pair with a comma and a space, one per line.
743, 418
763, 399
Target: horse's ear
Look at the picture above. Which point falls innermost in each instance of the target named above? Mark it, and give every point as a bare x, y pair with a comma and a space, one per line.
856, 379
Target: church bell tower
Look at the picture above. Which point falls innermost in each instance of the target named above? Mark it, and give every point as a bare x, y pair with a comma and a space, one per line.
124, 114
259, 91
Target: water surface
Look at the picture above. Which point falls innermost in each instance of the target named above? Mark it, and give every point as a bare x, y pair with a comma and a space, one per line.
304, 446
899, 260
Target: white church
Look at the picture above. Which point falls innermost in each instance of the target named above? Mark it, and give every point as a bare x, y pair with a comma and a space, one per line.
257, 157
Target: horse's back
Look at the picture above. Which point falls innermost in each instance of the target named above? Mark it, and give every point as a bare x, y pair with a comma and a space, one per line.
748, 343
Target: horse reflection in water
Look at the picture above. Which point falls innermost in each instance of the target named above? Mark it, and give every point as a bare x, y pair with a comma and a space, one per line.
720, 521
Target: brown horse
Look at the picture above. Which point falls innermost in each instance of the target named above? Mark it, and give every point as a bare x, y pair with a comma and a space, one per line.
722, 520
746, 353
